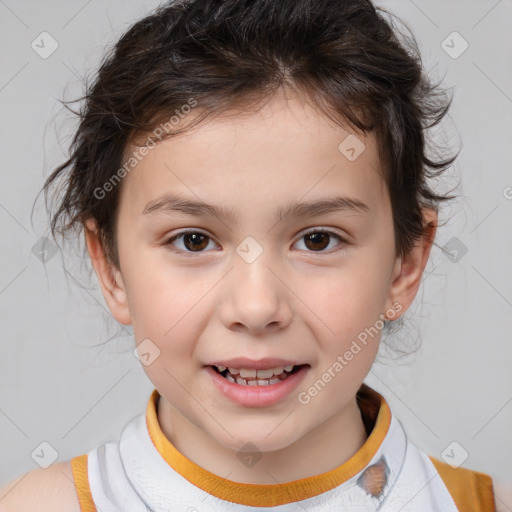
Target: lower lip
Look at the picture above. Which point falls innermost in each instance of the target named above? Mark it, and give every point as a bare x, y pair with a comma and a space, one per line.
257, 396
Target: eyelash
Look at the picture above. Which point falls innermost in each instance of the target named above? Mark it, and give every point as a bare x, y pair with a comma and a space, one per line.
342, 241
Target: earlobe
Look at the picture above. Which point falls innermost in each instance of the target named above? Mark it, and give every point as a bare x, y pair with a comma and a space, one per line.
118, 289
109, 277
408, 270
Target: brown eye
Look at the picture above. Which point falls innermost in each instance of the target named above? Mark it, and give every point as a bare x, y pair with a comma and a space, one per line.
193, 241
196, 242
319, 240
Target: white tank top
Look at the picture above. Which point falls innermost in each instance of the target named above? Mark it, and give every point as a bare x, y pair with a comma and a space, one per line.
144, 472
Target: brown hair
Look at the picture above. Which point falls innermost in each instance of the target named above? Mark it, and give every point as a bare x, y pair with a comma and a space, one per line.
226, 54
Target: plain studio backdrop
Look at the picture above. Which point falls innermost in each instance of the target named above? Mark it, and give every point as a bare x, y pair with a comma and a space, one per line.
63, 391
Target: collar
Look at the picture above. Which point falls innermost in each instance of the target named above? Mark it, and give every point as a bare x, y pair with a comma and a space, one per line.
378, 474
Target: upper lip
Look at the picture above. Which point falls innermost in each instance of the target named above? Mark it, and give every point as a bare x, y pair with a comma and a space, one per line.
259, 364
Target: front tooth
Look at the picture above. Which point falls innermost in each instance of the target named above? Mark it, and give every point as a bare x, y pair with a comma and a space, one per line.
278, 370
265, 374
245, 373
233, 371
288, 368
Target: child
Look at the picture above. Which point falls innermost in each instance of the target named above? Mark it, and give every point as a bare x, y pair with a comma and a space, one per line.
252, 181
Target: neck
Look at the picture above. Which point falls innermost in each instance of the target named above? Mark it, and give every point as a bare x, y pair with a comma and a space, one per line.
320, 450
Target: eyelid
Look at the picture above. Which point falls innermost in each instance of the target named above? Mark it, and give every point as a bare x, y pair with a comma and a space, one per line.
343, 236
323, 229
305, 231
169, 239
332, 232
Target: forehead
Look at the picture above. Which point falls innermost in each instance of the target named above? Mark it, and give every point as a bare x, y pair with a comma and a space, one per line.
284, 152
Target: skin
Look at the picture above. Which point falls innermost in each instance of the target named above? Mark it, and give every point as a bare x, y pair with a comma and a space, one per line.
295, 301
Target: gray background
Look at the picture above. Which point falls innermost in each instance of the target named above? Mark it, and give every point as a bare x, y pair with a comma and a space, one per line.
58, 387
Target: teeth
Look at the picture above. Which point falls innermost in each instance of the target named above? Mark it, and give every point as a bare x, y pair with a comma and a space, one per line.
251, 373
245, 373
254, 382
252, 377
264, 374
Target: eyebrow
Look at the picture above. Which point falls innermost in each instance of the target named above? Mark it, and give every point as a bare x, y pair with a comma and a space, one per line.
170, 203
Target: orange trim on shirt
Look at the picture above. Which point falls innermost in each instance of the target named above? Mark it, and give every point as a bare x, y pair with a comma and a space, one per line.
258, 495
83, 491
469, 489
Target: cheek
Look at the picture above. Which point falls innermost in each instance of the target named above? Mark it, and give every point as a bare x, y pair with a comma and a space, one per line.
345, 321
164, 303
348, 300
167, 311
345, 318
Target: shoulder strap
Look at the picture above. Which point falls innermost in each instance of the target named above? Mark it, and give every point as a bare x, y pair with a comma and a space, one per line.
83, 491
469, 489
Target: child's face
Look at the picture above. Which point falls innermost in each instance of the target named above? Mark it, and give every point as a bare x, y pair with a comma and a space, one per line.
302, 299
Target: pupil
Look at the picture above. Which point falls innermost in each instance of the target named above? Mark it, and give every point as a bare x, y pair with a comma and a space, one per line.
317, 238
197, 239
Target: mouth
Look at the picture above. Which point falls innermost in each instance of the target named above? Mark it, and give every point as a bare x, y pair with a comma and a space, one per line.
253, 377
257, 387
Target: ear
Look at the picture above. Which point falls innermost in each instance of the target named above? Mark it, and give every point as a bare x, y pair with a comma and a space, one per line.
408, 270
109, 277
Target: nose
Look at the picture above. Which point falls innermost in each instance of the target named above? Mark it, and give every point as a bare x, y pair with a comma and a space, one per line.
255, 297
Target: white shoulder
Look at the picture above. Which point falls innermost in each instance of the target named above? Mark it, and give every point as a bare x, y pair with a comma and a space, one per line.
41, 490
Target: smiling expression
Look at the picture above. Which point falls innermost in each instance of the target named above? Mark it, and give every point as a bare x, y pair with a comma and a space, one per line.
254, 236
